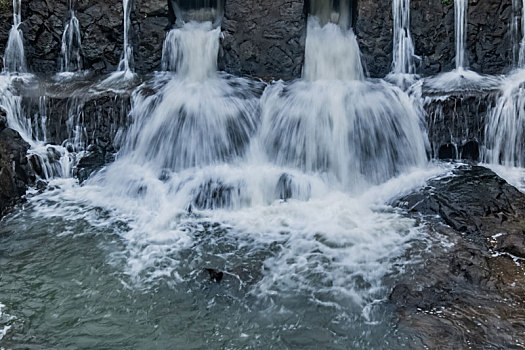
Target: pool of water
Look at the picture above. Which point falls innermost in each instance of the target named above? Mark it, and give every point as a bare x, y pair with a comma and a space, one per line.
298, 274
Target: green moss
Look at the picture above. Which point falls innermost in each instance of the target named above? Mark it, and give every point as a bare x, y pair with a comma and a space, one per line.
444, 2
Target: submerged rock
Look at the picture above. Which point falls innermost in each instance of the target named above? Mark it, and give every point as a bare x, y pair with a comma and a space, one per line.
15, 172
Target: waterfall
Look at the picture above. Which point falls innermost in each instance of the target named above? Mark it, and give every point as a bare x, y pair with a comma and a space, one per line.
198, 11
71, 47
335, 122
192, 51
326, 63
127, 53
53, 161
505, 125
280, 162
124, 75
332, 11
14, 56
461, 8
403, 53
197, 117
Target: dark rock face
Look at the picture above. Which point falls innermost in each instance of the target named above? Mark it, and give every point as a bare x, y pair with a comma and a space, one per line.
101, 27
456, 123
264, 38
150, 24
470, 291
374, 29
89, 122
3, 119
432, 28
15, 172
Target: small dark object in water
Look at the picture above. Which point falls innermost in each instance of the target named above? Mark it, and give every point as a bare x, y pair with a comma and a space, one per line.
215, 275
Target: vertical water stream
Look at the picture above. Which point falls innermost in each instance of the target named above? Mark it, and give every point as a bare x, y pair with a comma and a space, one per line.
71, 48
14, 56
403, 55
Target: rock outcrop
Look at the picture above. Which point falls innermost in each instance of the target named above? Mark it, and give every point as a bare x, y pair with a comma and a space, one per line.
469, 290
15, 172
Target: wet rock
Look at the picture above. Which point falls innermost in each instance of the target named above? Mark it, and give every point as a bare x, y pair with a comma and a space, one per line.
474, 201
264, 38
78, 118
466, 288
489, 42
15, 172
92, 161
284, 187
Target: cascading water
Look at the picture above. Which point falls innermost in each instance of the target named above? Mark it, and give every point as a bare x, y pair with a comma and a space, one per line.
334, 121
505, 125
71, 48
516, 30
323, 62
521, 55
332, 11
203, 143
14, 56
403, 55
186, 11
54, 161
